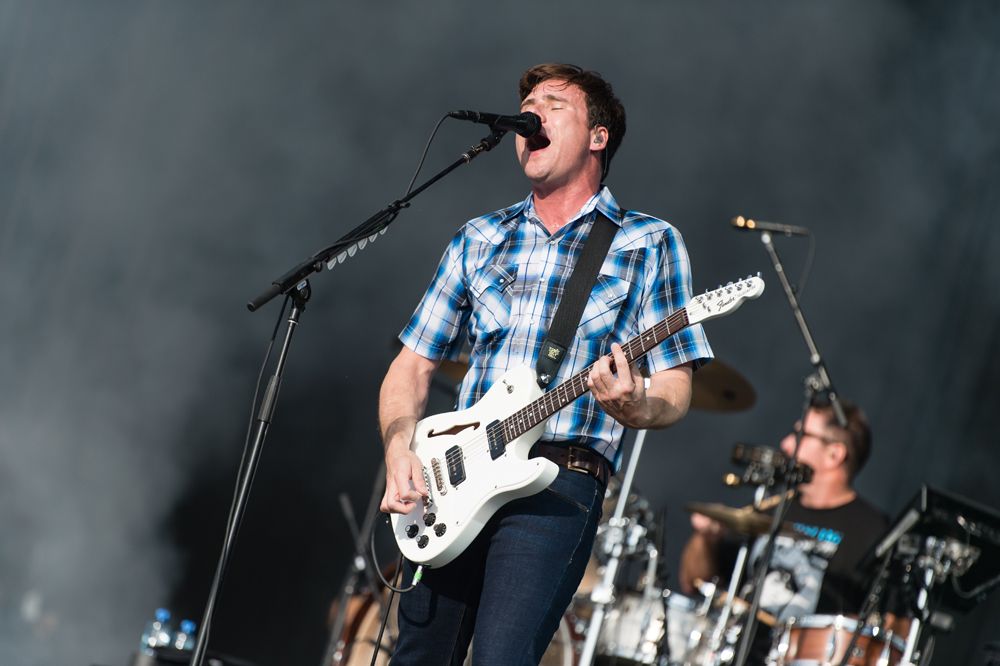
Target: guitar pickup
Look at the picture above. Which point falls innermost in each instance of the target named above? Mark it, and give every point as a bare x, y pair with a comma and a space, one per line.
456, 465
494, 433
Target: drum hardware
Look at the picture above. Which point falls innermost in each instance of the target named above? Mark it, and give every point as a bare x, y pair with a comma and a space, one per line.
360, 577
616, 541
766, 467
940, 536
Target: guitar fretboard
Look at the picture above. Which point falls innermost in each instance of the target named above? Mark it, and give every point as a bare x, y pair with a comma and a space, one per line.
528, 417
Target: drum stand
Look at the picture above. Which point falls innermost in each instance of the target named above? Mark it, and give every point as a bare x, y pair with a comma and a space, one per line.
604, 592
936, 560
361, 567
765, 477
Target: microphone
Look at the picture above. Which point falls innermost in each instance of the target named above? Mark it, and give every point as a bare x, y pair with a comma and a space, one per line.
526, 124
757, 225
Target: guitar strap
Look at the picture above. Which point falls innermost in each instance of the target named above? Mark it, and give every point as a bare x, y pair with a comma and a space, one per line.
574, 300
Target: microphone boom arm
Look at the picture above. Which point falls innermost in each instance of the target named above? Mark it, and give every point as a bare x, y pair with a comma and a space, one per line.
366, 231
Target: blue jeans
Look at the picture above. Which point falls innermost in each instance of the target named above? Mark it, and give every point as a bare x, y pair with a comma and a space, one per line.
510, 587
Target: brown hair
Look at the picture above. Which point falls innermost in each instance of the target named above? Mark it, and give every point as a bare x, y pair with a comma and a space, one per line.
857, 436
603, 108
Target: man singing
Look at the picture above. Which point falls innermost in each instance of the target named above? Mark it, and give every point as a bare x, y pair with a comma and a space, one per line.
498, 286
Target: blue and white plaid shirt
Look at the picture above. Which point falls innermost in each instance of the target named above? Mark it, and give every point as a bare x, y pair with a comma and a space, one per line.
501, 279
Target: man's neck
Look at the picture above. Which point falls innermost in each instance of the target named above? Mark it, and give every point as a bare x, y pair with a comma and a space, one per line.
557, 207
817, 495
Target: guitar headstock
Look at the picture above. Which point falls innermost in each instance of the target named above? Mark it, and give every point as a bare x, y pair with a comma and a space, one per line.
724, 300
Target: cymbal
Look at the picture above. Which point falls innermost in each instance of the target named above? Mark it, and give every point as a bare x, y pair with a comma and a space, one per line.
745, 520
716, 387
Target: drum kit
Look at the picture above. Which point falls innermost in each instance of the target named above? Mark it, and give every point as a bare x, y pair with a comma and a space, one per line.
622, 615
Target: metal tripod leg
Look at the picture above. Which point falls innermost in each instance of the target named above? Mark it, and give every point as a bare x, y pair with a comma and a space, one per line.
604, 592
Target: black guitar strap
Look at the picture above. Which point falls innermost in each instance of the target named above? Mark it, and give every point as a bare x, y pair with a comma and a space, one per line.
574, 299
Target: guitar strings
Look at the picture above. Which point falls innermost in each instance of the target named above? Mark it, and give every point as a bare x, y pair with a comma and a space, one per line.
475, 448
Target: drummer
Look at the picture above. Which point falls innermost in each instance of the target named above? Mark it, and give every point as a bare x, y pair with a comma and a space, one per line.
816, 572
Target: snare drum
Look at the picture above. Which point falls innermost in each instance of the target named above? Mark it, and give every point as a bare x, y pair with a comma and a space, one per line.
633, 629
687, 625
816, 640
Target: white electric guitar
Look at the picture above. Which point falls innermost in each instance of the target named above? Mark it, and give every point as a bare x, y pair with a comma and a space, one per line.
476, 460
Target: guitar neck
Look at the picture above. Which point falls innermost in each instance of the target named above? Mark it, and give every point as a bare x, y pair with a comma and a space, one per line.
528, 417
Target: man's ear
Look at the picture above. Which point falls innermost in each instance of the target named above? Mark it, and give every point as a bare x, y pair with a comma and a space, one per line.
837, 453
599, 140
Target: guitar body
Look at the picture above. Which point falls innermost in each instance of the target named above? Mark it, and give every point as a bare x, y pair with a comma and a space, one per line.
476, 460
467, 484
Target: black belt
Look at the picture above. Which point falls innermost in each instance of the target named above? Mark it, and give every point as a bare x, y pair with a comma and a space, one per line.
576, 459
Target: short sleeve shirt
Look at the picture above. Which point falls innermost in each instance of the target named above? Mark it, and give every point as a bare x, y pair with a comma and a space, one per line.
497, 287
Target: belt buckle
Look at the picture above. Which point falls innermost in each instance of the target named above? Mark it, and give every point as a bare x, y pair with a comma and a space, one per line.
573, 463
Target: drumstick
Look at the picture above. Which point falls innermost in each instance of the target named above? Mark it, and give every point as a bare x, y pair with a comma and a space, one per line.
762, 616
770, 502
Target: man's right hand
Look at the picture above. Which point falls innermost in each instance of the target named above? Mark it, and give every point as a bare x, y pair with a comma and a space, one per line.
404, 482
700, 557
706, 526
401, 403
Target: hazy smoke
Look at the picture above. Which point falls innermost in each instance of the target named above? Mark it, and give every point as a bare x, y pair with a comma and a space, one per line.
160, 164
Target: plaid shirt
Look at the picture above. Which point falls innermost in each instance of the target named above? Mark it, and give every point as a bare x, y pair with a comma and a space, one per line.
501, 279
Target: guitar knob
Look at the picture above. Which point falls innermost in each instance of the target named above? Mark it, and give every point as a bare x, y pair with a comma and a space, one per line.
429, 519
439, 529
422, 541
411, 530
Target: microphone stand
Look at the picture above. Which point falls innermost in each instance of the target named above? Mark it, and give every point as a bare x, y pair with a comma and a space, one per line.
818, 381
295, 283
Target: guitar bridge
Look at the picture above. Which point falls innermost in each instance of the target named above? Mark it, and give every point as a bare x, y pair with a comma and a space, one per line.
438, 477
427, 482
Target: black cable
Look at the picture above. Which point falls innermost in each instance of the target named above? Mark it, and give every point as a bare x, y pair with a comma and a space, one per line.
426, 148
377, 225
805, 269
976, 591
256, 393
417, 575
385, 616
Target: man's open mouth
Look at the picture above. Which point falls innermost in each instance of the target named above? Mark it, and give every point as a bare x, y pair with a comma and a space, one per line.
538, 142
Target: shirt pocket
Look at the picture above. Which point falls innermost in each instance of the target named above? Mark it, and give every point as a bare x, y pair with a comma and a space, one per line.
491, 290
601, 313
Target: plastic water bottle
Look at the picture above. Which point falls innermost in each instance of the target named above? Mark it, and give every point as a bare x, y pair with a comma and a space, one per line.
157, 633
184, 638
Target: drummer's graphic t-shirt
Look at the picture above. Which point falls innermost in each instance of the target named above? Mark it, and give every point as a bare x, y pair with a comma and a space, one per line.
816, 572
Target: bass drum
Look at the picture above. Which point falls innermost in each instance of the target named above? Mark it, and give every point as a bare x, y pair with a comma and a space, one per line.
365, 618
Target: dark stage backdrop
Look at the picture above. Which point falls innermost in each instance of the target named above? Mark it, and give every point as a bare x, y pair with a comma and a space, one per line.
160, 163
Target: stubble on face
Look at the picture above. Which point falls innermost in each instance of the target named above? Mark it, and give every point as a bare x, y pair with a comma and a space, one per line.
561, 153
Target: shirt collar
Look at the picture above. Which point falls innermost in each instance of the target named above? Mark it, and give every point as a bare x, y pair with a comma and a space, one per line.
602, 201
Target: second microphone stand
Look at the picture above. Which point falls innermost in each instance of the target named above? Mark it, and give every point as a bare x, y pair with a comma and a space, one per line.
818, 381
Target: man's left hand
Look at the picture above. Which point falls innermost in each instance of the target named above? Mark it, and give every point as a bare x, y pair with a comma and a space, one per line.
621, 395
